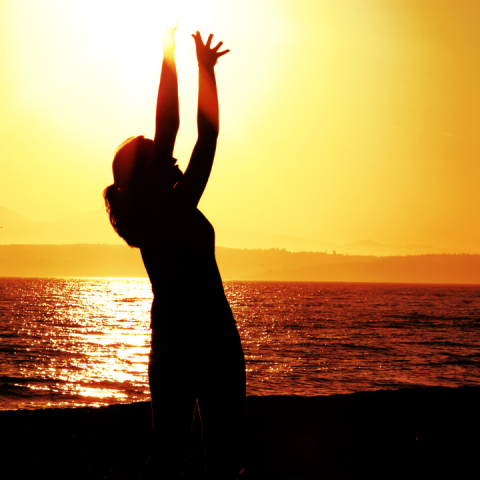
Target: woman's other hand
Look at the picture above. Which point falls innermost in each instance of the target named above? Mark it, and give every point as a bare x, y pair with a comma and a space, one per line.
168, 39
206, 55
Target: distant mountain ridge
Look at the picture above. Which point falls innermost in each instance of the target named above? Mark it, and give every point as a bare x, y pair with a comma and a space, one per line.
369, 247
242, 264
94, 228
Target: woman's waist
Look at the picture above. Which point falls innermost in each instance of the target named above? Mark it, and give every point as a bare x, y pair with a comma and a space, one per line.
184, 309
183, 303
200, 279
185, 271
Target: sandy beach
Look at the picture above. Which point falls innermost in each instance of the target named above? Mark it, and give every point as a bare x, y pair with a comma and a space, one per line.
409, 433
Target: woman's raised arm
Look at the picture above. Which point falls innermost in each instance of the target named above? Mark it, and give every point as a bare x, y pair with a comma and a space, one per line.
167, 120
198, 171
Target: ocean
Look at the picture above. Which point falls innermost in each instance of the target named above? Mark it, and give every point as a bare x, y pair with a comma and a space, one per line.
71, 342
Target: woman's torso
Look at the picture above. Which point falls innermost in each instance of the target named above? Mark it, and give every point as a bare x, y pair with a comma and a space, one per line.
178, 251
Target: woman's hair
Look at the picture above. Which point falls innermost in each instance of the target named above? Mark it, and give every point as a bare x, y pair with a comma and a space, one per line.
122, 198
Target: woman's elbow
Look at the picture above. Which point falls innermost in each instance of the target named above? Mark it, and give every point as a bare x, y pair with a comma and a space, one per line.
208, 133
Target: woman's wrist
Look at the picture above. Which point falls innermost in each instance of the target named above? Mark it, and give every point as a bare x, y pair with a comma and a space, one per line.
208, 69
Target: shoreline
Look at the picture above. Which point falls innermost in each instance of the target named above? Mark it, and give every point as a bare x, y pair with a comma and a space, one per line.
410, 433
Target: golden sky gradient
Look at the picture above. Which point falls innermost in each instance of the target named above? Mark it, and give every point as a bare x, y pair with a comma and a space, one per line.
341, 120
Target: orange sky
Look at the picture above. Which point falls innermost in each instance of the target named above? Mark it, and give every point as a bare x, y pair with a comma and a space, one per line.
341, 120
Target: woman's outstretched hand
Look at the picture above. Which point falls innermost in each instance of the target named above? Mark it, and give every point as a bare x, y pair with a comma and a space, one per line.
168, 39
206, 55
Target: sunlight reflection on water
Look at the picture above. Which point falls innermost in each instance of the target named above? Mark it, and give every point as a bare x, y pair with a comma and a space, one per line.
86, 338
73, 342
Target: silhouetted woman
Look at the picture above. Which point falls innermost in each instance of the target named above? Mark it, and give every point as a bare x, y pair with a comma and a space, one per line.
196, 354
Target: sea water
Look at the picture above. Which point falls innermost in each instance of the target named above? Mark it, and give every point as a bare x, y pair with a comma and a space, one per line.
70, 342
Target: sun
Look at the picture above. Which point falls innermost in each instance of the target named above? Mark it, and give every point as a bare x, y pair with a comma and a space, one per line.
129, 33
127, 26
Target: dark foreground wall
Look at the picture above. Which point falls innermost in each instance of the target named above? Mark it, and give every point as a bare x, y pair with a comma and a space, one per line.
409, 434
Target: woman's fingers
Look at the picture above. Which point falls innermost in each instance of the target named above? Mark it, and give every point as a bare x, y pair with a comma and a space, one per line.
206, 54
209, 41
219, 54
197, 37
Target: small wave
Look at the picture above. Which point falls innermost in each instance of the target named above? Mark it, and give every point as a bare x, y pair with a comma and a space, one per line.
459, 361
319, 379
10, 350
445, 343
412, 316
468, 355
362, 347
422, 316
25, 380
14, 391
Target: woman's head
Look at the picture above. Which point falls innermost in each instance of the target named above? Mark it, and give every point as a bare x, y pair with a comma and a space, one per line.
130, 159
121, 197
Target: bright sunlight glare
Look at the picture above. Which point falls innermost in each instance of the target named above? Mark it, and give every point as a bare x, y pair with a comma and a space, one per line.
112, 47
123, 29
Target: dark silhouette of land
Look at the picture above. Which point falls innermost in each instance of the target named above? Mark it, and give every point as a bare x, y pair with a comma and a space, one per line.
92, 228
237, 264
404, 434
